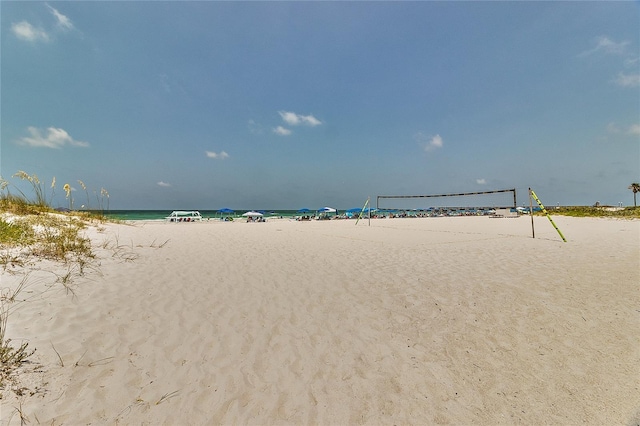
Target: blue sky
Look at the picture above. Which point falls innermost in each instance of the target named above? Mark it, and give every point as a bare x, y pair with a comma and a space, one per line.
204, 105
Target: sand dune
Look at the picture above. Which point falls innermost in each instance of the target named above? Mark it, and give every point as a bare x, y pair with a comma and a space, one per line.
406, 321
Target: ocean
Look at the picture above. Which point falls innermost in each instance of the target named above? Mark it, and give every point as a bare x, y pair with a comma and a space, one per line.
216, 214
213, 214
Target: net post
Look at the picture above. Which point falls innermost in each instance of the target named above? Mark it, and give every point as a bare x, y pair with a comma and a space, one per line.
533, 230
535, 197
362, 211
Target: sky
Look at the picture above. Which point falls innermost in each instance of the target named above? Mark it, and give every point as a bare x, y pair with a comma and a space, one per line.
287, 105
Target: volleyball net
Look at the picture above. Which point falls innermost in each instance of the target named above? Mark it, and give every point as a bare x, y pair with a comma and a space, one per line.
484, 200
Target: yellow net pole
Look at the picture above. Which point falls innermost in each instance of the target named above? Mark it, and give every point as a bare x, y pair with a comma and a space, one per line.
535, 197
362, 211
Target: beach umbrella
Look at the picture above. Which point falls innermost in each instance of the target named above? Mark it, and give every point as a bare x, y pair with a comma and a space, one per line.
304, 211
252, 214
327, 210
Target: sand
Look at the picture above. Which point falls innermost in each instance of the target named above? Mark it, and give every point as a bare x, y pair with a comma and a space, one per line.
464, 320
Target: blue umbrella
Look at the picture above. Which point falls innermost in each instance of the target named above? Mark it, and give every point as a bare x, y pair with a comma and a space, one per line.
304, 211
327, 210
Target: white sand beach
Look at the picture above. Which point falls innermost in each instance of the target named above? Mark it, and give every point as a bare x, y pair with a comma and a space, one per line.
455, 320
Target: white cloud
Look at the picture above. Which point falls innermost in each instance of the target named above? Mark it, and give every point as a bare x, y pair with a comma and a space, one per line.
25, 31
628, 80
428, 143
63, 22
434, 143
282, 131
218, 156
481, 181
607, 46
55, 138
164, 184
293, 119
634, 130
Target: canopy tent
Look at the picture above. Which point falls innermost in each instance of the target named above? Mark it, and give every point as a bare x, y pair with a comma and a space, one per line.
304, 214
225, 214
253, 216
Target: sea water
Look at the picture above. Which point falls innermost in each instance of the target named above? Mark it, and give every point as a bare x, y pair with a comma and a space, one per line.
206, 214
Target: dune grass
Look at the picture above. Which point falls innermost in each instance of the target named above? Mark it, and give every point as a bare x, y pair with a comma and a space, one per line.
44, 235
603, 211
31, 229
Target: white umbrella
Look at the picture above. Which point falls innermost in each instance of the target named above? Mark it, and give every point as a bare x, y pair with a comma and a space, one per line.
252, 214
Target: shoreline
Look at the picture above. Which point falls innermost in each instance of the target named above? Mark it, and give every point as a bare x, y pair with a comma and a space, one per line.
405, 321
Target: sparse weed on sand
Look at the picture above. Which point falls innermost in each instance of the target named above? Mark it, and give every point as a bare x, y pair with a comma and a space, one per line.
10, 357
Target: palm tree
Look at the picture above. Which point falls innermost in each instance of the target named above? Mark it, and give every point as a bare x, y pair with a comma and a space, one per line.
635, 187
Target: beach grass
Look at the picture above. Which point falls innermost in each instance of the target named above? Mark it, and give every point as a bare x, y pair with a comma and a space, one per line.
592, 211
37, 236
31, 229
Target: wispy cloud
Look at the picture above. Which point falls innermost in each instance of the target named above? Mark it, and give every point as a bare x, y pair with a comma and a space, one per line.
604, 46
429, 143
63, 22
628, 80
25, 31
254, 128
607, 46
163, 79
615, 129
634, 130
164, 184
481, 181
218, 156
54, 138
293, 119
282, 131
